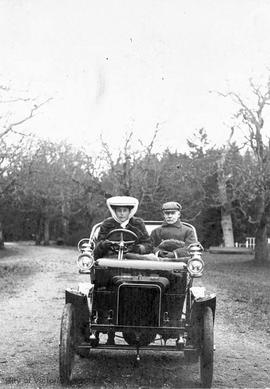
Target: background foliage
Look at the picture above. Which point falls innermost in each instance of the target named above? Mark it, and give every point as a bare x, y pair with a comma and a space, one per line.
56, 192
52, 191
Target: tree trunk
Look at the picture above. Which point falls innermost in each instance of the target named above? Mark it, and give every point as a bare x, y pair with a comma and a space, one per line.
65, 226
39, 231
261, 244
46, 232
226, 216
1, 236
227, 229
64, 218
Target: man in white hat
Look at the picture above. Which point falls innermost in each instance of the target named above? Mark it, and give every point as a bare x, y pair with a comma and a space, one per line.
123, 209
173, 237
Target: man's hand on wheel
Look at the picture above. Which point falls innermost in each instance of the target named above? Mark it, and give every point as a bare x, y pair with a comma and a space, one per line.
166, 254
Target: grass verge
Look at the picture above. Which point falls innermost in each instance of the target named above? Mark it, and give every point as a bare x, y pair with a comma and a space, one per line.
242, 289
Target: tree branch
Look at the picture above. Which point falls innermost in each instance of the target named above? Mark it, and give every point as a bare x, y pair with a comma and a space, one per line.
10, 127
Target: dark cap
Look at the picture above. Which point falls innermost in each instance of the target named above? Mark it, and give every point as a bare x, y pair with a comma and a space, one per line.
171, 206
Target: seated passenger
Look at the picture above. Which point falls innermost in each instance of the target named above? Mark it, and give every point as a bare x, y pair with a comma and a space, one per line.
123, 209
172, 239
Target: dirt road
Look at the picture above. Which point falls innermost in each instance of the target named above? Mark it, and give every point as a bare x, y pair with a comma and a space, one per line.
30, 312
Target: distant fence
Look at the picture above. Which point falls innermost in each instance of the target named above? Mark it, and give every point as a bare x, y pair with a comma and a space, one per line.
250, 243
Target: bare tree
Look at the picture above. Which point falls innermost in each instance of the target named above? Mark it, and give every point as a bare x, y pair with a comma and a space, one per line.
11, 128
225, 201
118, 177
133, 171
251, 120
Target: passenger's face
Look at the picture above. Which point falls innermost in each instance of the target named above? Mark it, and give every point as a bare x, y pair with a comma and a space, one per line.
171, 217
122, 213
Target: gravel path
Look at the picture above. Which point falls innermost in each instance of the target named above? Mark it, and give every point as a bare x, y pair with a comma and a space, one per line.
30, 314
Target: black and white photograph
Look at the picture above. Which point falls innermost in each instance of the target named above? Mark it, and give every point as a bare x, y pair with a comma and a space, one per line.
134, 194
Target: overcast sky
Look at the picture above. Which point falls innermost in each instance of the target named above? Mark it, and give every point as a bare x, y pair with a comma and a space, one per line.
113, 67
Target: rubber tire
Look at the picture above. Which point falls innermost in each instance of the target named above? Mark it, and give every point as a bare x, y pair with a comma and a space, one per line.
207, 348
145, 339
67, 344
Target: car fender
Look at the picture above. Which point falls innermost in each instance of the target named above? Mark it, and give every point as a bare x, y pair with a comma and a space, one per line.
80, 301
85, 288
202, 299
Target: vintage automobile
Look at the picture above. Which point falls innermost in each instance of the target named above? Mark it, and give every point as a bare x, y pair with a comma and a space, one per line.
148, 302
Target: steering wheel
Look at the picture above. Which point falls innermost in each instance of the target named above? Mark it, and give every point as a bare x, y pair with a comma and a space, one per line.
121, 244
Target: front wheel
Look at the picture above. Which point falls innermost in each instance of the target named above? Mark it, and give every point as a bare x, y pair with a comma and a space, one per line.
207, 348
67, 344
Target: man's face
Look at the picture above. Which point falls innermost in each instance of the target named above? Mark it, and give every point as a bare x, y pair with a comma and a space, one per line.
122, 213
171, 216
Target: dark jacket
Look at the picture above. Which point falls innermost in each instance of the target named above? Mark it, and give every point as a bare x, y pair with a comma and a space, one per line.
135, 225
177, 231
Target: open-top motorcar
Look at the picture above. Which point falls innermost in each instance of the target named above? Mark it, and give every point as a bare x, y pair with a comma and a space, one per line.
150, 303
